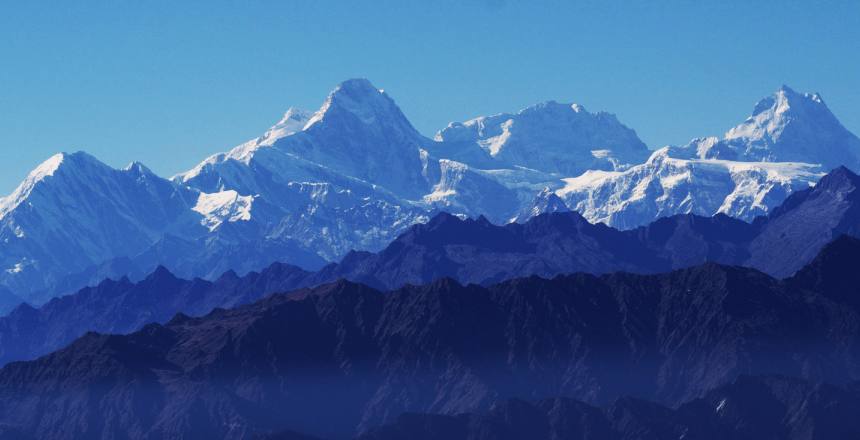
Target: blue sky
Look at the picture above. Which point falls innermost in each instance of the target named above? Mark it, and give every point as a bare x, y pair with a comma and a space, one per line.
168, 83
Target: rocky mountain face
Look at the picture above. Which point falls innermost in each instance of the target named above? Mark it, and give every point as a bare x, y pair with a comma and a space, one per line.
340, 359
355, 174
806, 221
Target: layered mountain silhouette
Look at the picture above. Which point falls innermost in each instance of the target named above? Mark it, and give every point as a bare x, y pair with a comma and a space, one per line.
540, 274
123, 306
337, 360
466, 250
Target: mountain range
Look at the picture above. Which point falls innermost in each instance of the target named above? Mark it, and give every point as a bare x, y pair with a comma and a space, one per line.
468, 251
340, 359
355, 174
539, 274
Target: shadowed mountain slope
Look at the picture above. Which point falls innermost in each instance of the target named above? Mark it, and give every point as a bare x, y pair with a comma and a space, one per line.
341, 358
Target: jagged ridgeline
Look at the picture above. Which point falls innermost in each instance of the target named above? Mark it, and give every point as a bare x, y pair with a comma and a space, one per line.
343, 359
538, 275
355, 174
466, 250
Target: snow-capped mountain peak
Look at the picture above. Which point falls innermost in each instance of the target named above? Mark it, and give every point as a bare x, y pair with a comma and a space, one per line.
352, 100
771, 115
356, 102
551, 137
73, 212
357, 132
140, 170
68, 164
787, 126
44, 170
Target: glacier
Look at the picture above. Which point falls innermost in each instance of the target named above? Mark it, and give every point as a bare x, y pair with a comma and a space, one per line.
665, 186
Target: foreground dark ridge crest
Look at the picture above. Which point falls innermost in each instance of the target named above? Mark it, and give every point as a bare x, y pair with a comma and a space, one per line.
292, 361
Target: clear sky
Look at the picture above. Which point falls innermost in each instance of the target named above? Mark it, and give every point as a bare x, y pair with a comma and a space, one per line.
170, 82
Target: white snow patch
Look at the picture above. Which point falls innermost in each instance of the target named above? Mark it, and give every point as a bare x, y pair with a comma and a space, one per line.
601, 154
17, 268
439, 195
47, 168
675, 180
219, 207
452, 173
588, 179
494, 144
